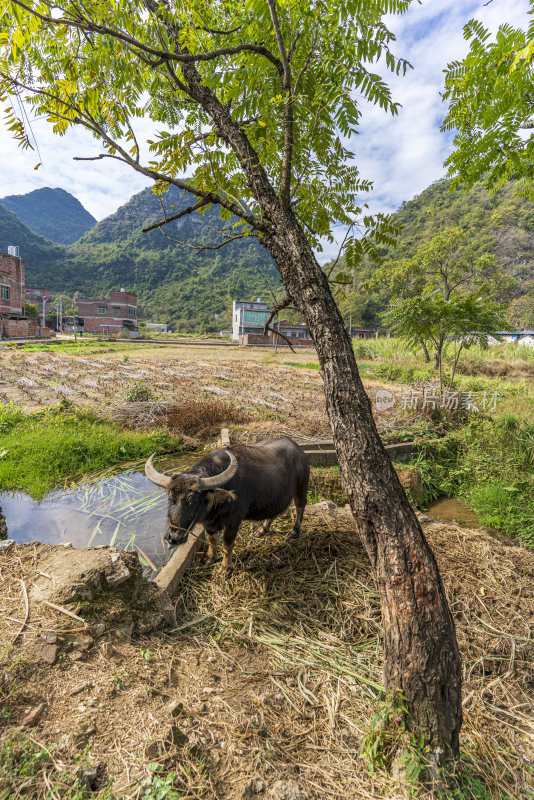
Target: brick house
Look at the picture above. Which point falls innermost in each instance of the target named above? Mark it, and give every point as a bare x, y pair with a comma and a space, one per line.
13, 321
11, 285
108, 317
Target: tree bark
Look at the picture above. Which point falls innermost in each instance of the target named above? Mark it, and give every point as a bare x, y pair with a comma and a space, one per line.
421, 653
425, 351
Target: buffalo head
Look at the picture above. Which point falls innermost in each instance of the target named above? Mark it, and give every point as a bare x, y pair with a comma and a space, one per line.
191, 497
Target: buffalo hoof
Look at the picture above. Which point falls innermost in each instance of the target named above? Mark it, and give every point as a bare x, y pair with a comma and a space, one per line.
224, 572
293, 534
261, 531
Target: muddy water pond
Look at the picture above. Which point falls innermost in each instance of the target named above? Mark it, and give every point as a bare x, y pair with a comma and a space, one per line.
450, 509
122, 509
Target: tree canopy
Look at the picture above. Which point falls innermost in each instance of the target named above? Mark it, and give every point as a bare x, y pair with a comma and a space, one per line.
444, 291
490, 94
288, 77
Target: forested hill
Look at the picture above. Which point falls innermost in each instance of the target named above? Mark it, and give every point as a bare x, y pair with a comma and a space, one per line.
502, 223
176, 283
173, 281
45, 261
52, 213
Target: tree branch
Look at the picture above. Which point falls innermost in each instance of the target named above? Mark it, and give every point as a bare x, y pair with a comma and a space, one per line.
200, 248
283, 303
307, 61
287, 151
257, 178
183, 213
88, 122
282, 336
181, 57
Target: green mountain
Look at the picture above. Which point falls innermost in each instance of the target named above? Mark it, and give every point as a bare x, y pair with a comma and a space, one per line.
52, 213
46, 262
173, 280
176, 283
501, 224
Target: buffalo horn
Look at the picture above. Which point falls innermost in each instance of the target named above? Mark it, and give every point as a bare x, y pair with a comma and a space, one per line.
222, 477
156, 477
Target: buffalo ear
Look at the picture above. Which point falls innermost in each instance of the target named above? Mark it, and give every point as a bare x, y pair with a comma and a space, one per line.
221, 496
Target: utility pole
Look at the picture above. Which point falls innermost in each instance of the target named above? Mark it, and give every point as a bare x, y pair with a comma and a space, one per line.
61, 314
44, 311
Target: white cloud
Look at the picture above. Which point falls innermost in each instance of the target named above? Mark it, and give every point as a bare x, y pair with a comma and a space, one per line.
101, 186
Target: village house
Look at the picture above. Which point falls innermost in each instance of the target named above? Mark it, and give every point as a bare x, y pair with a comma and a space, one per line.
14, 324
248, 324
110, 317
362, 333
510, 337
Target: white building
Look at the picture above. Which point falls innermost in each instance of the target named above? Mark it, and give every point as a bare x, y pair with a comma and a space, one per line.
248, 318
518, 337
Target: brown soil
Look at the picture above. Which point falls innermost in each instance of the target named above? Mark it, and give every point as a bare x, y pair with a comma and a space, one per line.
277, 671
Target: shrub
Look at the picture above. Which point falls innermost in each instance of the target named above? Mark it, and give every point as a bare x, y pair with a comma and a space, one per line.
137, 392
202, 417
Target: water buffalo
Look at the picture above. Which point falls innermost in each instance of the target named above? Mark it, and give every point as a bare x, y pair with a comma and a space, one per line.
259, 482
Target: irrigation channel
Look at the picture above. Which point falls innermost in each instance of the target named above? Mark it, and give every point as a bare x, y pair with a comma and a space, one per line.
122, 509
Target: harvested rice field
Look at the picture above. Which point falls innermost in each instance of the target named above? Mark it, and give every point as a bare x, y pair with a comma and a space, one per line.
272, 395
267, 686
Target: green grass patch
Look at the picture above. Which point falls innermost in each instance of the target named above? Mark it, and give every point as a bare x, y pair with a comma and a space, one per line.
506, 508
30, 770
68, 346
398, 373
487, 463
305, 365
41, 451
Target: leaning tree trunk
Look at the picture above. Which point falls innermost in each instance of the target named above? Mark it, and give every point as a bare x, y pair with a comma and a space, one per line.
421, 653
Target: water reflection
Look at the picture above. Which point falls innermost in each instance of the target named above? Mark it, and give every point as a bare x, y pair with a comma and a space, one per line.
125, 510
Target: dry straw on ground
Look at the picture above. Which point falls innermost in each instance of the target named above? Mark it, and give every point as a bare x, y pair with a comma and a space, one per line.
201, 417
278, 672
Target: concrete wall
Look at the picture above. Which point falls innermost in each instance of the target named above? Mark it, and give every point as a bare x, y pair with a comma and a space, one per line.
256, 339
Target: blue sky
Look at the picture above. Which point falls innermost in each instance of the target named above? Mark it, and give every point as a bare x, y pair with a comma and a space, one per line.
402, 154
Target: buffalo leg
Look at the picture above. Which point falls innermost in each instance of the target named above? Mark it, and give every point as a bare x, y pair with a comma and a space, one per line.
212, 547
227, 547
265, 528
300, 498
296, 529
